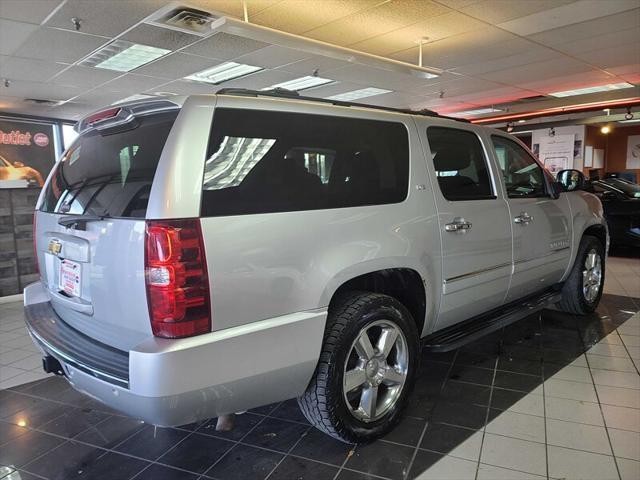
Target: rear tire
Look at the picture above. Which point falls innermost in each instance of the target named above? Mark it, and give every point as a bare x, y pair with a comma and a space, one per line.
583, 288
360, 386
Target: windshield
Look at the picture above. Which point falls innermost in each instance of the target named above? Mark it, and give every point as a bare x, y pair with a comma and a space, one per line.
622, 186
110, 172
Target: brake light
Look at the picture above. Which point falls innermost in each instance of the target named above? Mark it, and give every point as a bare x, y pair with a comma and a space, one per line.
103, 115
176, 278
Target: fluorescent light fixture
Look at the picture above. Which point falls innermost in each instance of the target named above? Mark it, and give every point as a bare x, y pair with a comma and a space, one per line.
223, 72
123, 56
362, 93
471, 113
301, 83
598, 88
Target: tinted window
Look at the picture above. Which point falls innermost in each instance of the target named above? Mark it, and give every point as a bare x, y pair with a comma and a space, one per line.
109, 172
522, 175
261, 161
460, 165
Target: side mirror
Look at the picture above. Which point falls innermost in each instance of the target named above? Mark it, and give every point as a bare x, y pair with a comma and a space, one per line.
571, 180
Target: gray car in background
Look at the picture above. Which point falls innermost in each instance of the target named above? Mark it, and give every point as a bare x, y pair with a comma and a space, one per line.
206, 255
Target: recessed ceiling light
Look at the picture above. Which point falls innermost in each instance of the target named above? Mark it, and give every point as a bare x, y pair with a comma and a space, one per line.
598, 88
123, 56
301, 83
470, 113
223, 72
362, 93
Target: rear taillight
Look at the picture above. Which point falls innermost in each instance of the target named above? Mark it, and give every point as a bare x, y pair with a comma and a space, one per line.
35, 245
176, 278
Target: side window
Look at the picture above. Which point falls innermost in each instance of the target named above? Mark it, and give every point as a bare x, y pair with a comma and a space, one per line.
460, 164
523, 176
262, 161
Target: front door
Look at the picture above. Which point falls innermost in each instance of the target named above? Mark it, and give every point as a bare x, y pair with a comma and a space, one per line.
474, 223
541, 228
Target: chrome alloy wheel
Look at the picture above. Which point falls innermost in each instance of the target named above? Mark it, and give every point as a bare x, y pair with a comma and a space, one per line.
592, 276
375, 370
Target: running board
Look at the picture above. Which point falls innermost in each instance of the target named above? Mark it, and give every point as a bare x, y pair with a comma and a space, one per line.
461, 333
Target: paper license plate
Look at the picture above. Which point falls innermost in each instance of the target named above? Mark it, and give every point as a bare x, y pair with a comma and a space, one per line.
70, 277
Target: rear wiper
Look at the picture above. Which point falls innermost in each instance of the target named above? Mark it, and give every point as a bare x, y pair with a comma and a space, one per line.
79, 222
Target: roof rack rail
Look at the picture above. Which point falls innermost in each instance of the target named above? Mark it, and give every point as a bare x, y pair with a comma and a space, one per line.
284, 93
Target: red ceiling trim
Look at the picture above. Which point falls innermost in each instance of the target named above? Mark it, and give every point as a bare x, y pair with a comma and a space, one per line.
625, 102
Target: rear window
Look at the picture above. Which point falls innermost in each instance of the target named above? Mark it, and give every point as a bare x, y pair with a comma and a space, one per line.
109, 173
262, 161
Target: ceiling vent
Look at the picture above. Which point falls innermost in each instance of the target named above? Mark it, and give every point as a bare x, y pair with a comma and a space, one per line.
185, 19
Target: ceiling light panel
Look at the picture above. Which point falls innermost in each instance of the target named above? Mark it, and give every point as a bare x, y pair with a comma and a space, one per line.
123, 56
301, 83
223, 72
361, 93
471, 113
596, 89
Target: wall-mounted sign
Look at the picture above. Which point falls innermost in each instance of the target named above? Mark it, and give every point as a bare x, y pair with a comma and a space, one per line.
27, 153
556, 153
633, 152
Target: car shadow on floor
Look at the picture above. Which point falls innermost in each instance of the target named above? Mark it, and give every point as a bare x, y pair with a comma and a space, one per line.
50, 430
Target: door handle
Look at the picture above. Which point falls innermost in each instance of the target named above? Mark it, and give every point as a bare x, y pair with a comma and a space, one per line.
458, 225
523, 219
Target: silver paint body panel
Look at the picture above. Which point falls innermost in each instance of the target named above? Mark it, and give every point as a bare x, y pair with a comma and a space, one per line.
272, 276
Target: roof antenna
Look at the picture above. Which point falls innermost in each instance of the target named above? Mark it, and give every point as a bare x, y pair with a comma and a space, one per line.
315, 73
76, 23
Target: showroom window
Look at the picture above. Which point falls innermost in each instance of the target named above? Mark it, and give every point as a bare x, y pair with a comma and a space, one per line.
522, 175
460, 164
261, 161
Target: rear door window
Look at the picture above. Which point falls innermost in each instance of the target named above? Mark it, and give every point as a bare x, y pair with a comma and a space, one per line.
264, 161
460, 164
110, 172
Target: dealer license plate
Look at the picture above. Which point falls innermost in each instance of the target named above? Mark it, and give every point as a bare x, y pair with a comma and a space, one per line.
70, 277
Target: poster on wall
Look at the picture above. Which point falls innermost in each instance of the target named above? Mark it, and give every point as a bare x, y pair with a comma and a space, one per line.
576, 160
556, 153
27, 153
633, 152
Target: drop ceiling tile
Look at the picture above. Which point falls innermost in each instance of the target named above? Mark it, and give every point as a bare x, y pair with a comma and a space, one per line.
436, 28
576, 12
176, 65
537, 71
16, 68
29, 11
184, 87
613, 56
10, 104
132, 83
558, 37
555, 83
109, 18
13, 34
498, 11
532, 55
71, 111
224, 46
458, 4
273, 56
337, 88
84, 77
324, 65
376, 21
98, 98
59, 45
40, 90
377, 78
494, 96
621, 39
298, 17
159, 37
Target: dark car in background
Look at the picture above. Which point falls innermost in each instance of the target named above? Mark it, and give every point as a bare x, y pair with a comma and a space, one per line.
621, 202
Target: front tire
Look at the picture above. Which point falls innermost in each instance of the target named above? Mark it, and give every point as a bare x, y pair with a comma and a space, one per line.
366, 368
582, 290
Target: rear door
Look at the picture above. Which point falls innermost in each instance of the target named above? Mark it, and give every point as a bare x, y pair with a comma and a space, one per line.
541, 223
474, 225
90, 227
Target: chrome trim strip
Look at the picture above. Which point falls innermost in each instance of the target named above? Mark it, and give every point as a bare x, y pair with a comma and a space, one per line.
79, 365
477, 272
552, 252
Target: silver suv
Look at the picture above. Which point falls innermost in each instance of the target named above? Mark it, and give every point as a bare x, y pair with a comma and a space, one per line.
206, 255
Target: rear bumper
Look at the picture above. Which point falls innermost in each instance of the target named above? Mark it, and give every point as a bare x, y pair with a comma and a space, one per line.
174, 382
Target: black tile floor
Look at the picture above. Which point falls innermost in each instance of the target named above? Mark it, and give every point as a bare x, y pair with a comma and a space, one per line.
49, 431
